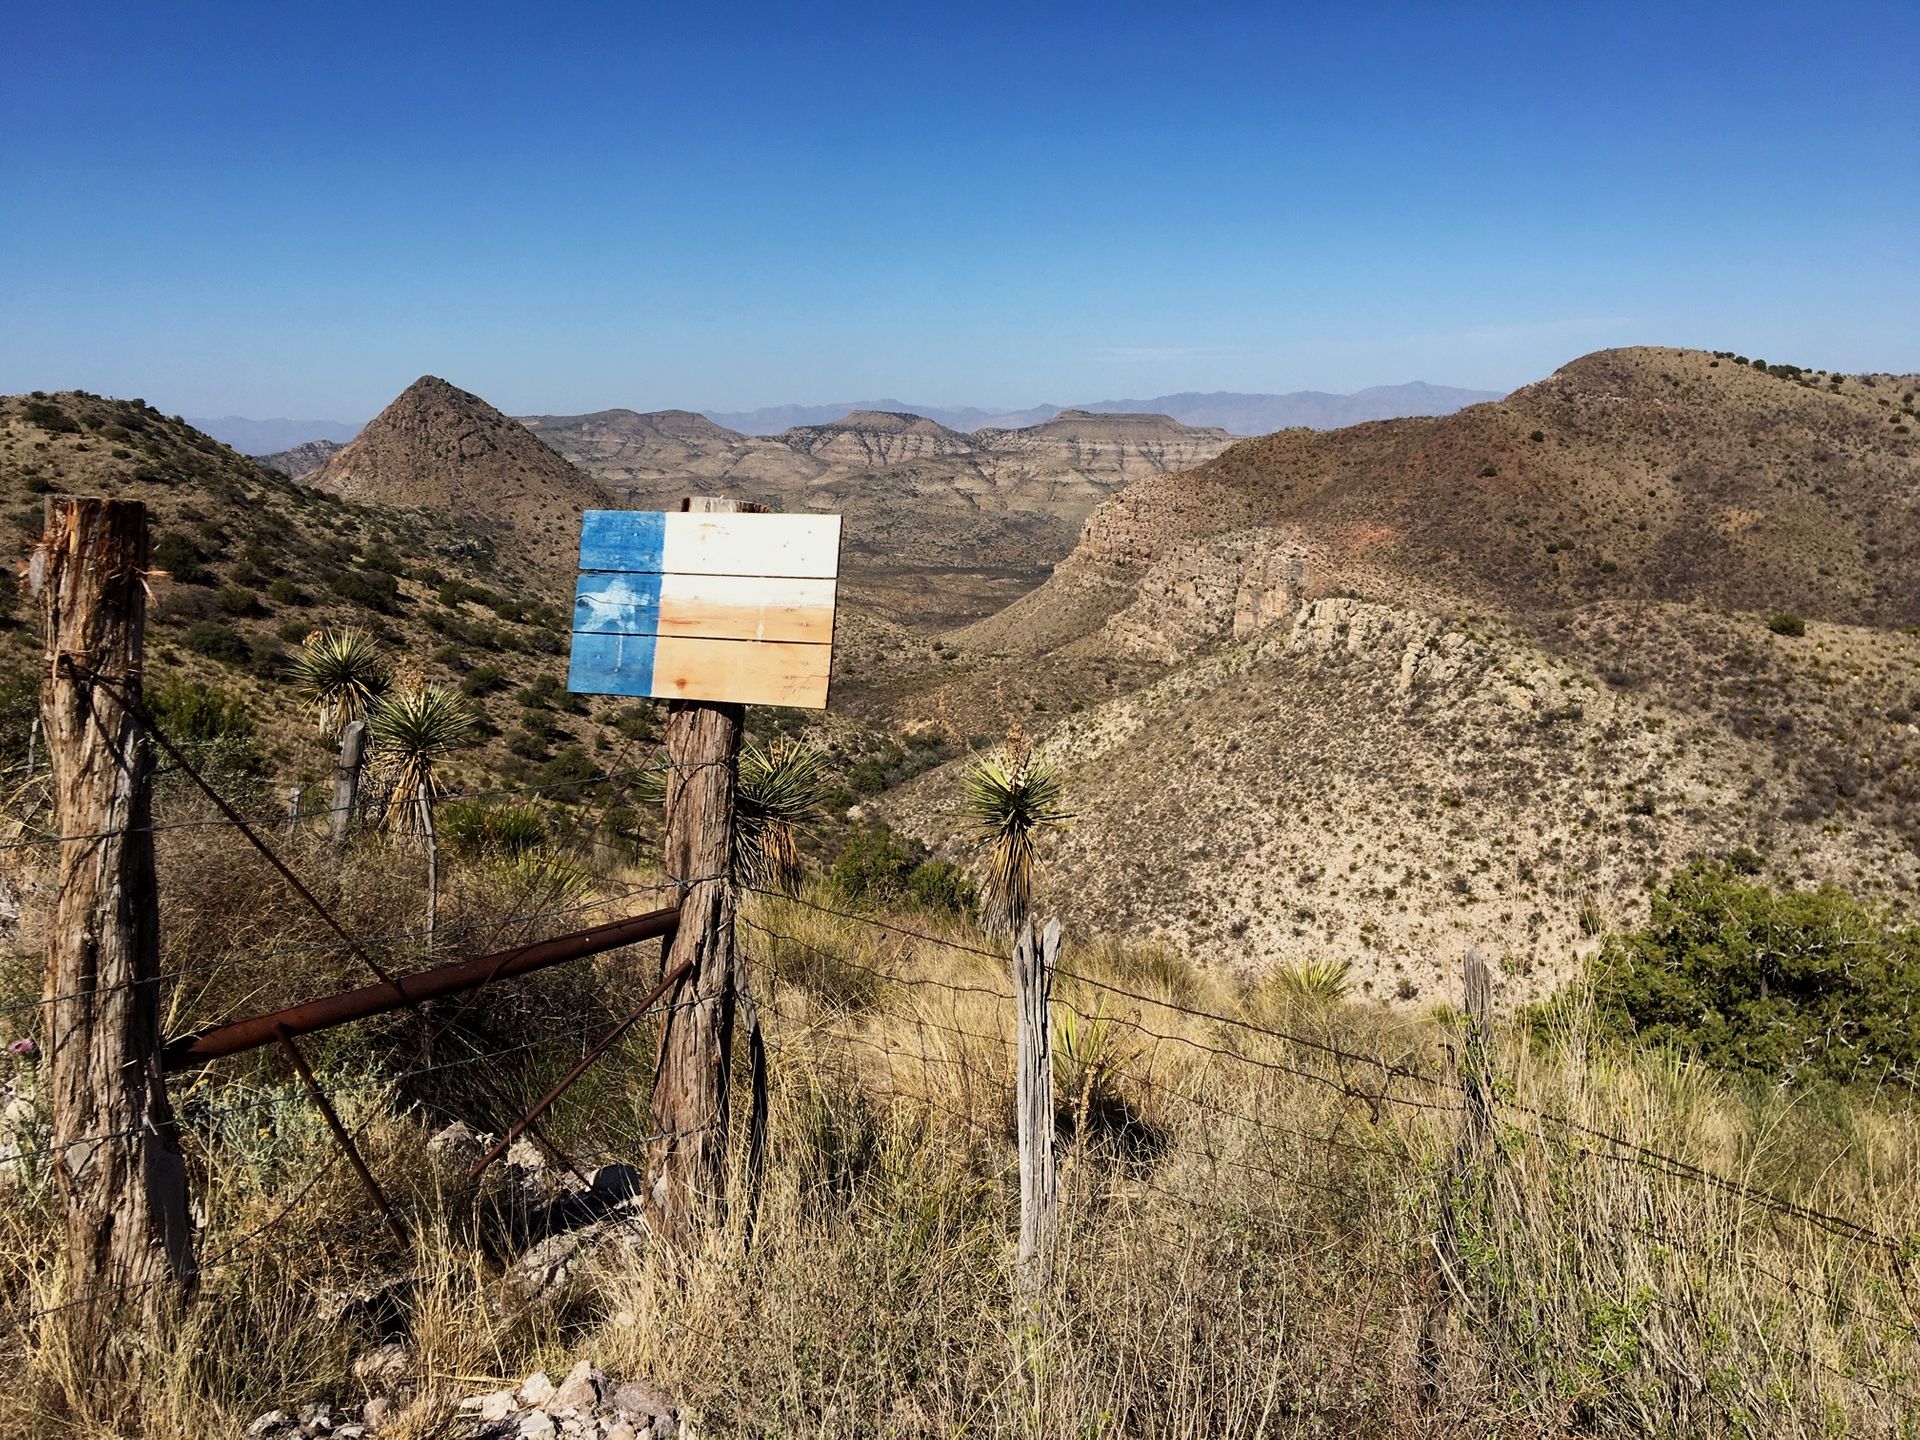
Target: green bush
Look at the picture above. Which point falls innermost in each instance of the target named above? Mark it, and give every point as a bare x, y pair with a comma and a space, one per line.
286, 592
1785, 622
941, 885
180, 558
205, 718
217, 641
484, 679
373, 589
50, 417
1783, 986
878, 868
238, 600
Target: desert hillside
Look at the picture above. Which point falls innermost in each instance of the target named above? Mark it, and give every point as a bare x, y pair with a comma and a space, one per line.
440, 449
1372, 693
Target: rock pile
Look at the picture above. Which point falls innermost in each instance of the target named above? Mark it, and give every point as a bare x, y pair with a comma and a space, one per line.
586, 1405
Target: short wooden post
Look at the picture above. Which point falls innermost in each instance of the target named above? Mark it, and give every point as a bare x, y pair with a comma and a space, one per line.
686, 1160
293, 812
433, 863
1034, 958
346, 779
33, 747
129, 1239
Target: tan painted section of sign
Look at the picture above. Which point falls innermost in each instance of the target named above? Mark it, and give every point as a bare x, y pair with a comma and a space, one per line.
746, 672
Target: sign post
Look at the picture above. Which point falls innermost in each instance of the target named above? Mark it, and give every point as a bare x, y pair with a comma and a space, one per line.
711, 609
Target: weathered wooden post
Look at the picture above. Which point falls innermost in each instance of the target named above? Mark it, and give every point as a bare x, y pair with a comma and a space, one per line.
686, 1169
425, 798
346, 779
128, 1234
1035, 954
711, 609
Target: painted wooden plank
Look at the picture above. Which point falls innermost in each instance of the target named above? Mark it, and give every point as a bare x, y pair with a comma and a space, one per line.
747, 672
611, 665
720, 607
791, 546
621, 539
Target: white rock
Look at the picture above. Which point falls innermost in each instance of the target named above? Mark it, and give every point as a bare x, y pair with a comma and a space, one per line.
536, 1389
579, 1391
377, 1412
263, 1423
538, 1426
621, 1430
496, 1406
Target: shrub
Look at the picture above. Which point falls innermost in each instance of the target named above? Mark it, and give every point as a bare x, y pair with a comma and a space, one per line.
484, 679
942, 886
180, 558
373, 589
50, 418
1785, 622
286, 592
217, 641
204, 717
1783, 986
238, 600
875, 867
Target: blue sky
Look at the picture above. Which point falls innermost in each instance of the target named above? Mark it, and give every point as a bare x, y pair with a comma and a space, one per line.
273, 209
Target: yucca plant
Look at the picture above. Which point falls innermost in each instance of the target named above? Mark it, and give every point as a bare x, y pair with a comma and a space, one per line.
1319, 982
1009, 798
780, 787
412, 731
343, 674
1090, 1056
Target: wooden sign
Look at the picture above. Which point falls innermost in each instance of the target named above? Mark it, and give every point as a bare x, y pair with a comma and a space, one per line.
724, 607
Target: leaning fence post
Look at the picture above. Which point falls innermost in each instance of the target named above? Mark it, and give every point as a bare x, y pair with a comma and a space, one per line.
1034, 957
686, 1162
129, 1238
346, 779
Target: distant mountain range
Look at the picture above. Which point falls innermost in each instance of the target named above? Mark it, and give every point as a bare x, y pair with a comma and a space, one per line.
1238, 414
268, 437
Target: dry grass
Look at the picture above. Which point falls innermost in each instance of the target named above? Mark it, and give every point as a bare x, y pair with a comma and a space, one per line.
1246, 1250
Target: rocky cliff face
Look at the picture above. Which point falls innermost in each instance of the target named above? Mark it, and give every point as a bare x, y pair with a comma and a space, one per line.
876, 439
302, 460
439, 448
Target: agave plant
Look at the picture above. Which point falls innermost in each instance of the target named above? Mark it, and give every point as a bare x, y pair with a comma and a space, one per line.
344, 675
1009, 798
413, 730
780, 786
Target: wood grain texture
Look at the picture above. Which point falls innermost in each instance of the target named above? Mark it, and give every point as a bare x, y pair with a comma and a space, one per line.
713, 607
118, 1163
789, 546
1034, 957
746, 672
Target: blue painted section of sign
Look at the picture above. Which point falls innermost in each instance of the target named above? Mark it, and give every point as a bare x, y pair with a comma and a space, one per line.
617, 610
630, 540
617, 603
611, 664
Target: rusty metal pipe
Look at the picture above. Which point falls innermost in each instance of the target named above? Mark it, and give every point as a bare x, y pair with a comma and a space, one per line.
408, 990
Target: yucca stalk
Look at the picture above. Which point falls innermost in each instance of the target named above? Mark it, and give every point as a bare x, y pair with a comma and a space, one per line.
1009, 798
413, 730
343, 674
780, 788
